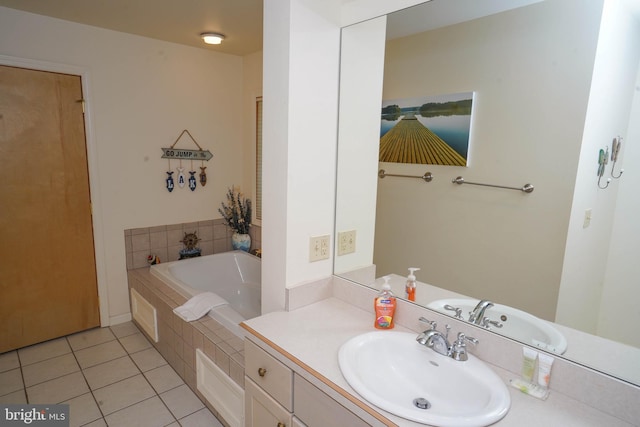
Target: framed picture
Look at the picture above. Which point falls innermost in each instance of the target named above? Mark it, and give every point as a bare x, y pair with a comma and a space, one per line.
431, 130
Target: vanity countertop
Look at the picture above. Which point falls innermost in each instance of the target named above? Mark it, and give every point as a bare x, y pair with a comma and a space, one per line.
311, 336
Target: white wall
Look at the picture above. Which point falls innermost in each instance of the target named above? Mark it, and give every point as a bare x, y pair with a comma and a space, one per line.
361, 75
300, 81
141, 94
301, 57
531, 79
600, 273
619, 311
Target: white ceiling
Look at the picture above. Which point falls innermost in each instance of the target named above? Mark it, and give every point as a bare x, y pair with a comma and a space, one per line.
182, 21
178, 21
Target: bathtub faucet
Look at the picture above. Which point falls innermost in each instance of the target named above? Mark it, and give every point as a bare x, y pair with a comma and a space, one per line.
477, 314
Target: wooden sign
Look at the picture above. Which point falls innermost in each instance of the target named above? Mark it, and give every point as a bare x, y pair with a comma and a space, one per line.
183, 154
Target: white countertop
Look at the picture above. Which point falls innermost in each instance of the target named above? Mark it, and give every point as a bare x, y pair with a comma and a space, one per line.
312, 336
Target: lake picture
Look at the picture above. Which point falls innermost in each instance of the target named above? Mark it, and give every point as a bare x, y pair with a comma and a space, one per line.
430, 130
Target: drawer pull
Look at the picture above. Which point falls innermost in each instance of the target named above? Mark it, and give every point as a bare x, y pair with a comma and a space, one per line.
262, 372
282, 425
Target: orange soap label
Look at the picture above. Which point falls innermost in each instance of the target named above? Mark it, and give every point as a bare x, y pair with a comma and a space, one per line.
385, 308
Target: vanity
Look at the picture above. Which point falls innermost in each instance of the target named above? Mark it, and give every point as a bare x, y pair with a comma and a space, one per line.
293, 377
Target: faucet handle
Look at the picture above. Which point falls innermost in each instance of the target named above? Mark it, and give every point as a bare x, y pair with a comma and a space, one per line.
463, 337
486, 323
457, 310
459, 347
431, 323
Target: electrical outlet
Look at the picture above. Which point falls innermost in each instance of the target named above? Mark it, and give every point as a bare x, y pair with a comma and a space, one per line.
319, 248
346, 242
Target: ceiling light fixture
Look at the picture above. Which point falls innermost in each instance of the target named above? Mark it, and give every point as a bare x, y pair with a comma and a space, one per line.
212, 38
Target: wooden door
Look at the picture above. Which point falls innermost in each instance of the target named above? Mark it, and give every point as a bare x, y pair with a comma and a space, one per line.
48, 284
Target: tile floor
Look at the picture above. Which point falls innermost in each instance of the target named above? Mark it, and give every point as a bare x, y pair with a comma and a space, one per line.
109, 377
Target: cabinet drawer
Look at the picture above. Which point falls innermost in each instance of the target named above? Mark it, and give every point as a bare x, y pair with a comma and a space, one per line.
316, 409
270, 374
261, 410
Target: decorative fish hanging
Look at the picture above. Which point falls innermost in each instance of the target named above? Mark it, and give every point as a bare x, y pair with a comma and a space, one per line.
181, 180
192, 180
170, 181
203, 176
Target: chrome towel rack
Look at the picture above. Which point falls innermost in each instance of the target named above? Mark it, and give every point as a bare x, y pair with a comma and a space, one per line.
427, 177
527, 188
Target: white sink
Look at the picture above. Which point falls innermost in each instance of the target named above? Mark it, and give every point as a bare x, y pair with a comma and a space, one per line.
390, 370
516, 324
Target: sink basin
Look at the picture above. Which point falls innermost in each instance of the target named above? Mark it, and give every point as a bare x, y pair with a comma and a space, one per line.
390, 370
518, 325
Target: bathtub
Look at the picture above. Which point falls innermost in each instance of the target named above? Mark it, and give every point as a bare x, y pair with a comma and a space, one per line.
234, 276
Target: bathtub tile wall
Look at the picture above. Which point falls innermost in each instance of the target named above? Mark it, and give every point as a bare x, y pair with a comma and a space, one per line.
165, 241
178, 340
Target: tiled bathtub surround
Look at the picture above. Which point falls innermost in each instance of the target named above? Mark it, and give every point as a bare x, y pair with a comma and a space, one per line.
178, 340
165, 241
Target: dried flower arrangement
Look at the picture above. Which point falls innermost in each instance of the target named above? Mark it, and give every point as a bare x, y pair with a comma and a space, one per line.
237, 213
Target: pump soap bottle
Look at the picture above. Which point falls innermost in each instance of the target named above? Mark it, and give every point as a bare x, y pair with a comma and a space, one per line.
411, 284
385, 306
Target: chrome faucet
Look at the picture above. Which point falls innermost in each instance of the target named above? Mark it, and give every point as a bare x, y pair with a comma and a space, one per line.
439, 342
477, 314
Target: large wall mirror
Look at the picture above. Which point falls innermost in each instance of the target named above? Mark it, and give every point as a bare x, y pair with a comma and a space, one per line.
553, 82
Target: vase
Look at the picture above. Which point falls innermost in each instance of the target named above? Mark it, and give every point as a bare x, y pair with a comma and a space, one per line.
241, 242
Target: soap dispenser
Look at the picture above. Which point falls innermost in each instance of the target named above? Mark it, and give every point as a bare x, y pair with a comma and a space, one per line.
410, 288
385, 306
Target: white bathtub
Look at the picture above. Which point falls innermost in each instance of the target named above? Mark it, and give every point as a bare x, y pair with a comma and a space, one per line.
234, 276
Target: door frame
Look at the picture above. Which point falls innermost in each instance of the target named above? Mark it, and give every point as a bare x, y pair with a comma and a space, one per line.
92, 164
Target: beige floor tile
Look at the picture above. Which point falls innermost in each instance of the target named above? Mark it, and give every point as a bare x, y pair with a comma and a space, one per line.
202, 418
149, 413
163, 378
10, 381
43, 351
181, 401
124, 393
100, 353
49, 369
110, 372
9, 361
82, 410
58, 390
90, 338
98, 423
16, 397
148, 359
134, 343
124, 329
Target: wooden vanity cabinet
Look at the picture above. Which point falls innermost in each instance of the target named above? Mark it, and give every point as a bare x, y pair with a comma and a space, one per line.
262, 410
276, 396
315, 408
268, 389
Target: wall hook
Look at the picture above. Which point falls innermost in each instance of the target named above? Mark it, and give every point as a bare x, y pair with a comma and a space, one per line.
616, 145
608, 182
603, 159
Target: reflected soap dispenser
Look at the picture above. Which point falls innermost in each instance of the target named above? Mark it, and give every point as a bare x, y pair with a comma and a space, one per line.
410, 288
385, 306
